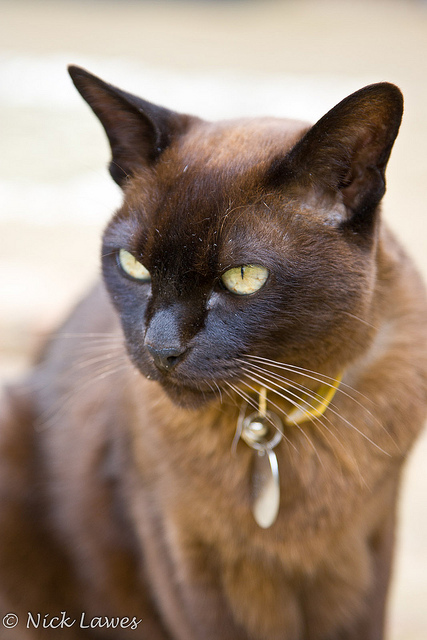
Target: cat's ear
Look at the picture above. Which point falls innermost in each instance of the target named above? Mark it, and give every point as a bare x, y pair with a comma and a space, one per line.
138, 131
346, 151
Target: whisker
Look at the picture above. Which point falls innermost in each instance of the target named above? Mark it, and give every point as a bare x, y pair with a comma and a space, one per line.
288, 381
98, 349
362, 320
240, 419
314, 395
83, 364
57, 412
64, 401
347, 422
219, 390
112, 338
108, 334
322, 420
294, 369
295, 403
254, 404
276, 406
211, 387
247, 400
243, 395
98, 359
308, 373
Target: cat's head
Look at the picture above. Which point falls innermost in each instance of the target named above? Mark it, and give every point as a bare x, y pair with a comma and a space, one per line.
242, 239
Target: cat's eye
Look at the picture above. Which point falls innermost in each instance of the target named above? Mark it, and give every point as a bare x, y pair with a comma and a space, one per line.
132, 267
245, 279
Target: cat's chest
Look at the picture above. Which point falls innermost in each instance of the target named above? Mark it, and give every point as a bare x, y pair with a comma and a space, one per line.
204, 484
209, 544
192, 503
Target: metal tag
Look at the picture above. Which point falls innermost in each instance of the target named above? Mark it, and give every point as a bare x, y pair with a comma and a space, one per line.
265, 488
263, 433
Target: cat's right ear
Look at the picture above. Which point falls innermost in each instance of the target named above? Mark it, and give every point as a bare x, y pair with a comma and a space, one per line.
137, 130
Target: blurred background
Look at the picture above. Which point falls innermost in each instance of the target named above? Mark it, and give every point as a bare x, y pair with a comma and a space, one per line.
214, 59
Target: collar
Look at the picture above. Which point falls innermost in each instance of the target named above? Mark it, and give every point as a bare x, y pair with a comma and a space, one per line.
314, 405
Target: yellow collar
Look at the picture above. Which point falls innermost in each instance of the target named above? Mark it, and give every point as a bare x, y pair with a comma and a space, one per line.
313, 407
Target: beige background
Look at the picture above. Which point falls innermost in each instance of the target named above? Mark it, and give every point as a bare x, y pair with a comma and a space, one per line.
215, 59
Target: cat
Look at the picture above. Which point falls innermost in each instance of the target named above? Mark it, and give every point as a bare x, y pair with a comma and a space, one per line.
211, 446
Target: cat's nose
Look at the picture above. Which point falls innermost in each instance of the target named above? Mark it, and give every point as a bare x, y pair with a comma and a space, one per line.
167, 358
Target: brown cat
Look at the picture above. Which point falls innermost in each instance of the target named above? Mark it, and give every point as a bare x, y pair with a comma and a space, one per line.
211, 446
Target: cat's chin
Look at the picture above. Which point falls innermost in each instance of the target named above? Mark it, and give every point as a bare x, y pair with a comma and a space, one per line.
184, 393
188, 397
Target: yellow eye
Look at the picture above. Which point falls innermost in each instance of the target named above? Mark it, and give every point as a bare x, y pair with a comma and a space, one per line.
245, 279
132, 267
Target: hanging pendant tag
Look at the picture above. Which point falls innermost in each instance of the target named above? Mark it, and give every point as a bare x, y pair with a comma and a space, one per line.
265, 488
263, 433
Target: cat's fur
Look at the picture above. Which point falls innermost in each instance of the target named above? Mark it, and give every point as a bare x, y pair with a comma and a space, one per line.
120, 494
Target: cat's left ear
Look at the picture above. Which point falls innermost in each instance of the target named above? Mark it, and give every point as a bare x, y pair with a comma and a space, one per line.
137, 130
346, 152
